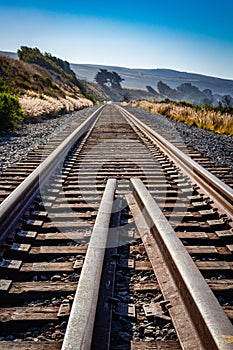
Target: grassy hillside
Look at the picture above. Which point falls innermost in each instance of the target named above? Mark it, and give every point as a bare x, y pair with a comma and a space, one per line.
22, 77
43, 84
140, 78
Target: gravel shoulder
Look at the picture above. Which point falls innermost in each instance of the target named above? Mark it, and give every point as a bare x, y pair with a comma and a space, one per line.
218, 147
16, 145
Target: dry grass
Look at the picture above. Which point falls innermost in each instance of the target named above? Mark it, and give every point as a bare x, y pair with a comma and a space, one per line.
35, 105
209, 120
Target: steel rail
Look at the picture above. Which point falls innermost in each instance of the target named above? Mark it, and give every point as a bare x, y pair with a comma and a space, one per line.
201, 323
216, 189
79, 330
12, 208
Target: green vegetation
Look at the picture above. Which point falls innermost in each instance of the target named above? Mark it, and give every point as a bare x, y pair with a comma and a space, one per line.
58, 68
47, 61
10, 109
89, 96
105, 78
21, 77
41, 84
42, 74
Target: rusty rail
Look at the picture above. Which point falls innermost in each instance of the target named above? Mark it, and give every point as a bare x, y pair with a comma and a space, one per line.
199, 319
14, 205
81, 322
217, 190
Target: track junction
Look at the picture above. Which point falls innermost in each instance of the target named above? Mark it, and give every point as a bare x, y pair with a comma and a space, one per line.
114, 238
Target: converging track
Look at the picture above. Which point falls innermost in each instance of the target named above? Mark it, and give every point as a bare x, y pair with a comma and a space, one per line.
116, 240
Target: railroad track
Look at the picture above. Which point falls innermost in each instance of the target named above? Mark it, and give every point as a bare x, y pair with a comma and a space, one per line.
81, 243
15, 173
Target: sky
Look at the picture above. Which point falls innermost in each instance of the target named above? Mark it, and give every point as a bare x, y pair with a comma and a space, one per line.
192, 36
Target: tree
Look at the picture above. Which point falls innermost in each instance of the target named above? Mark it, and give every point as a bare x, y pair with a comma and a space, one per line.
104, 77
165, 90
116, 80
151, 90
227, 100
10, 111
126, 97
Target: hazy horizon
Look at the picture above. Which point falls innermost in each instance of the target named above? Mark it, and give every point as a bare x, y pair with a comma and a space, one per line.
194, 38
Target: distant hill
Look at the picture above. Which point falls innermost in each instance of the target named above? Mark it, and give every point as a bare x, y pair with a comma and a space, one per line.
9, 54
51, 79
140, 78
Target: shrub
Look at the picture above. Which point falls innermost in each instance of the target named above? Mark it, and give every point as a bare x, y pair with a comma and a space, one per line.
89, 96
205, 117
3, 86
47, 61
35, 105
10, 111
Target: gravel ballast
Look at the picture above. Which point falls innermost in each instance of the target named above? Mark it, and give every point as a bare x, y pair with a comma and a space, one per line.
218, 147
16, 145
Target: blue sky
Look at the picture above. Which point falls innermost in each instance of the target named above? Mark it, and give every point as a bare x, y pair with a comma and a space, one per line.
192, 36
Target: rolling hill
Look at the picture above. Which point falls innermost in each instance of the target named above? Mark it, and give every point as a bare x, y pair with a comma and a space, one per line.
140, 78
43, 85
